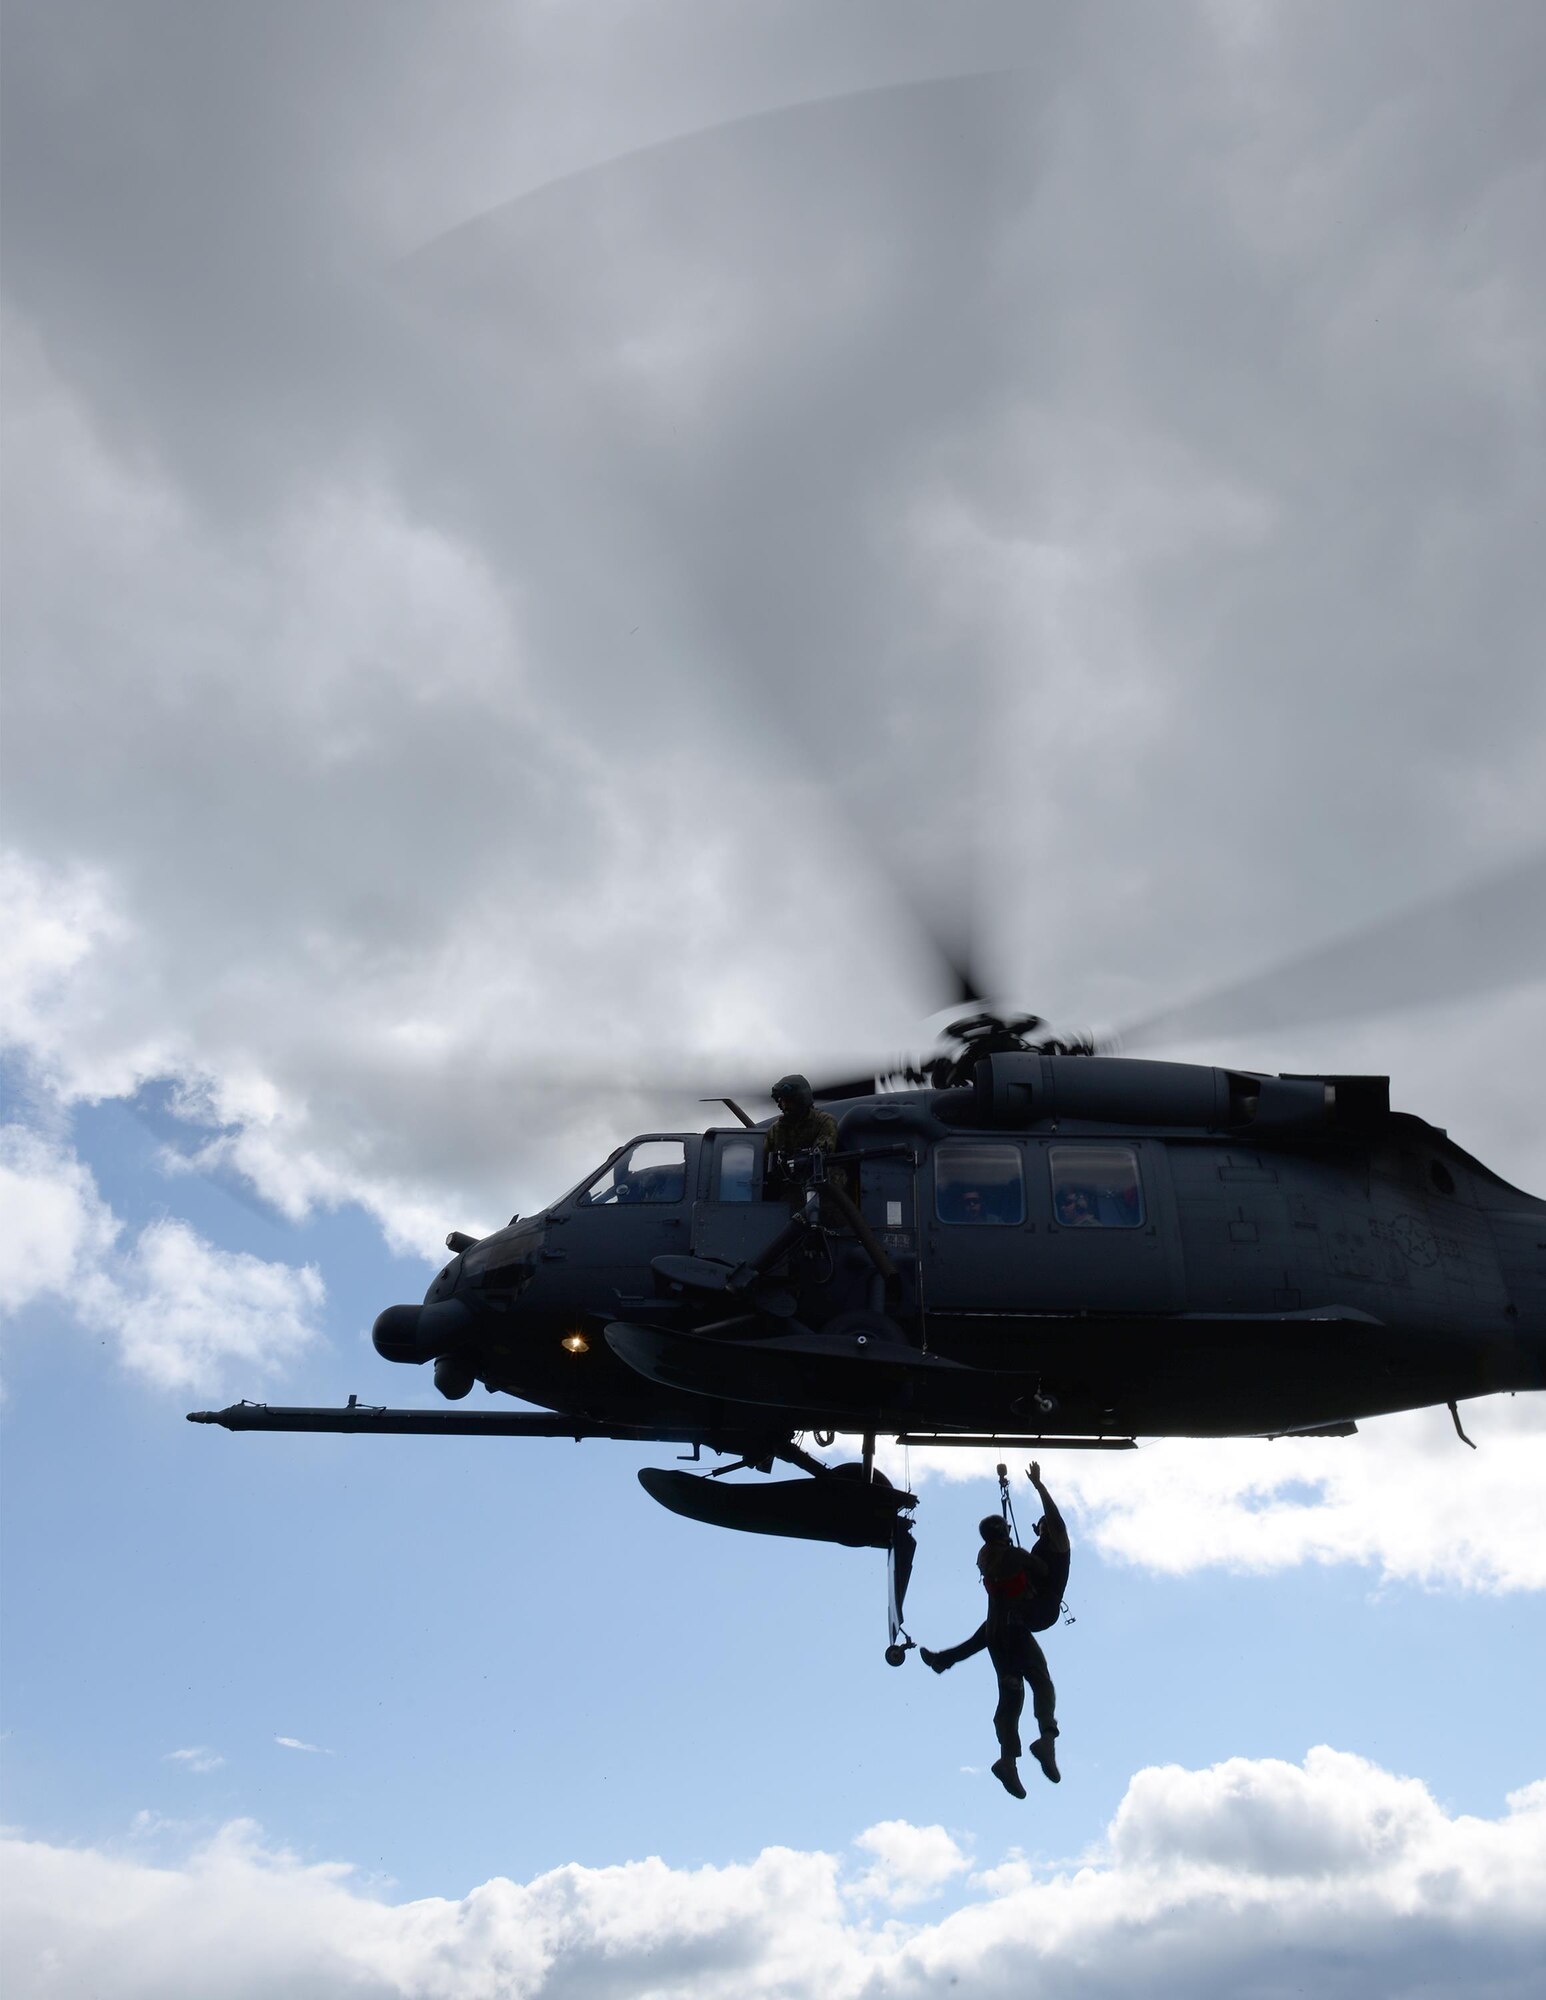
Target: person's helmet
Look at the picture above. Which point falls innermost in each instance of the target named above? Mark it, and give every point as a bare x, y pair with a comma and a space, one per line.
793, 1096
993, 1528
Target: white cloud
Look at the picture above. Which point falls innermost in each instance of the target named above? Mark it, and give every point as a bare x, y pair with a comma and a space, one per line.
295, 1743
147, 1825
199, 1759
911, 1864
52, 920
325, 1019
183, 1310
1404, 1496
179, 1309
1332, 1876
377, 651
57, 1225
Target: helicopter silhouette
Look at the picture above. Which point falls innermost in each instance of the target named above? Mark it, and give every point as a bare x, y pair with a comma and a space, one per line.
1022, 1240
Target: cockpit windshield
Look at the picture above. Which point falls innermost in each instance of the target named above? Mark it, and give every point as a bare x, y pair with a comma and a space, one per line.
649, 1170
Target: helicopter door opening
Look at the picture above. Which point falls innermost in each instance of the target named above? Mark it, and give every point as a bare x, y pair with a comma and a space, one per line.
888, 1201
1108, 1232
732, 1223
979, 1240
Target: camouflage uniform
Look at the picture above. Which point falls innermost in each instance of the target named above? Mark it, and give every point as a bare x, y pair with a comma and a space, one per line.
815, 1132
801, 1130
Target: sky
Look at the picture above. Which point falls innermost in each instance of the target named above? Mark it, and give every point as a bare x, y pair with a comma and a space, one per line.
546, 551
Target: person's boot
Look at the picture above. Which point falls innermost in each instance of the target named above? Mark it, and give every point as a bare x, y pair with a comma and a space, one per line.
1045, 1752
1009, 1777
932, 1660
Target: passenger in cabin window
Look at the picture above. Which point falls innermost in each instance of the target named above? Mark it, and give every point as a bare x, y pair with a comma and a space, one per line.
1075, 1209
988, 1205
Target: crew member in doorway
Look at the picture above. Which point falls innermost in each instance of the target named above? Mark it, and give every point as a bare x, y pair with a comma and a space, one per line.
798, 1128
1025, 1594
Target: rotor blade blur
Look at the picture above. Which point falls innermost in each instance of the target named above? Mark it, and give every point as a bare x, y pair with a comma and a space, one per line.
850, 1087
955, 975
1483, 937
748, 122
862, 717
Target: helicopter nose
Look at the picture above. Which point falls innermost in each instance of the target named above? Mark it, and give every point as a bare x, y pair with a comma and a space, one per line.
419, 1333
396, 1333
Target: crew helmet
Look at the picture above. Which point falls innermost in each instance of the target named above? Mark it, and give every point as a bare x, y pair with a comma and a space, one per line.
793, 1096
993, 1528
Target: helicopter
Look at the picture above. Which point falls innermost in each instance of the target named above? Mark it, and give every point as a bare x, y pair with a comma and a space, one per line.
1021, 1241
1024, 1241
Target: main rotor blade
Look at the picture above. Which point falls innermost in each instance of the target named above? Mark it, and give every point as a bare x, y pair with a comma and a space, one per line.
1484, 937
749, 122
957, 978
881, 749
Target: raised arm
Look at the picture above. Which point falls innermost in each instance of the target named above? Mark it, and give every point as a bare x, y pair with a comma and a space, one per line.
1053, 1526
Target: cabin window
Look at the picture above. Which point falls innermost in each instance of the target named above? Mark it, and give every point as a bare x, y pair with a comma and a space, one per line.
1096, 1187
654, 1170
979, 1184
737, 1169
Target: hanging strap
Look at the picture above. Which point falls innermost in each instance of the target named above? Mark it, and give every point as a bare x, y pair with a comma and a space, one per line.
899, 1566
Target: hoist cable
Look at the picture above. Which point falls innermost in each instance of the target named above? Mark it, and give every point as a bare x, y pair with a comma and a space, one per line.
1006, 1504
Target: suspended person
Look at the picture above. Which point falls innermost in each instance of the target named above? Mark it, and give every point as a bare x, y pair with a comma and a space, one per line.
1025, 1593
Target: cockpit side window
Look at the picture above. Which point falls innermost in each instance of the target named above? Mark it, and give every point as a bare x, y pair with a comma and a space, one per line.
1096, 1187
654, 1170
979, 1184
